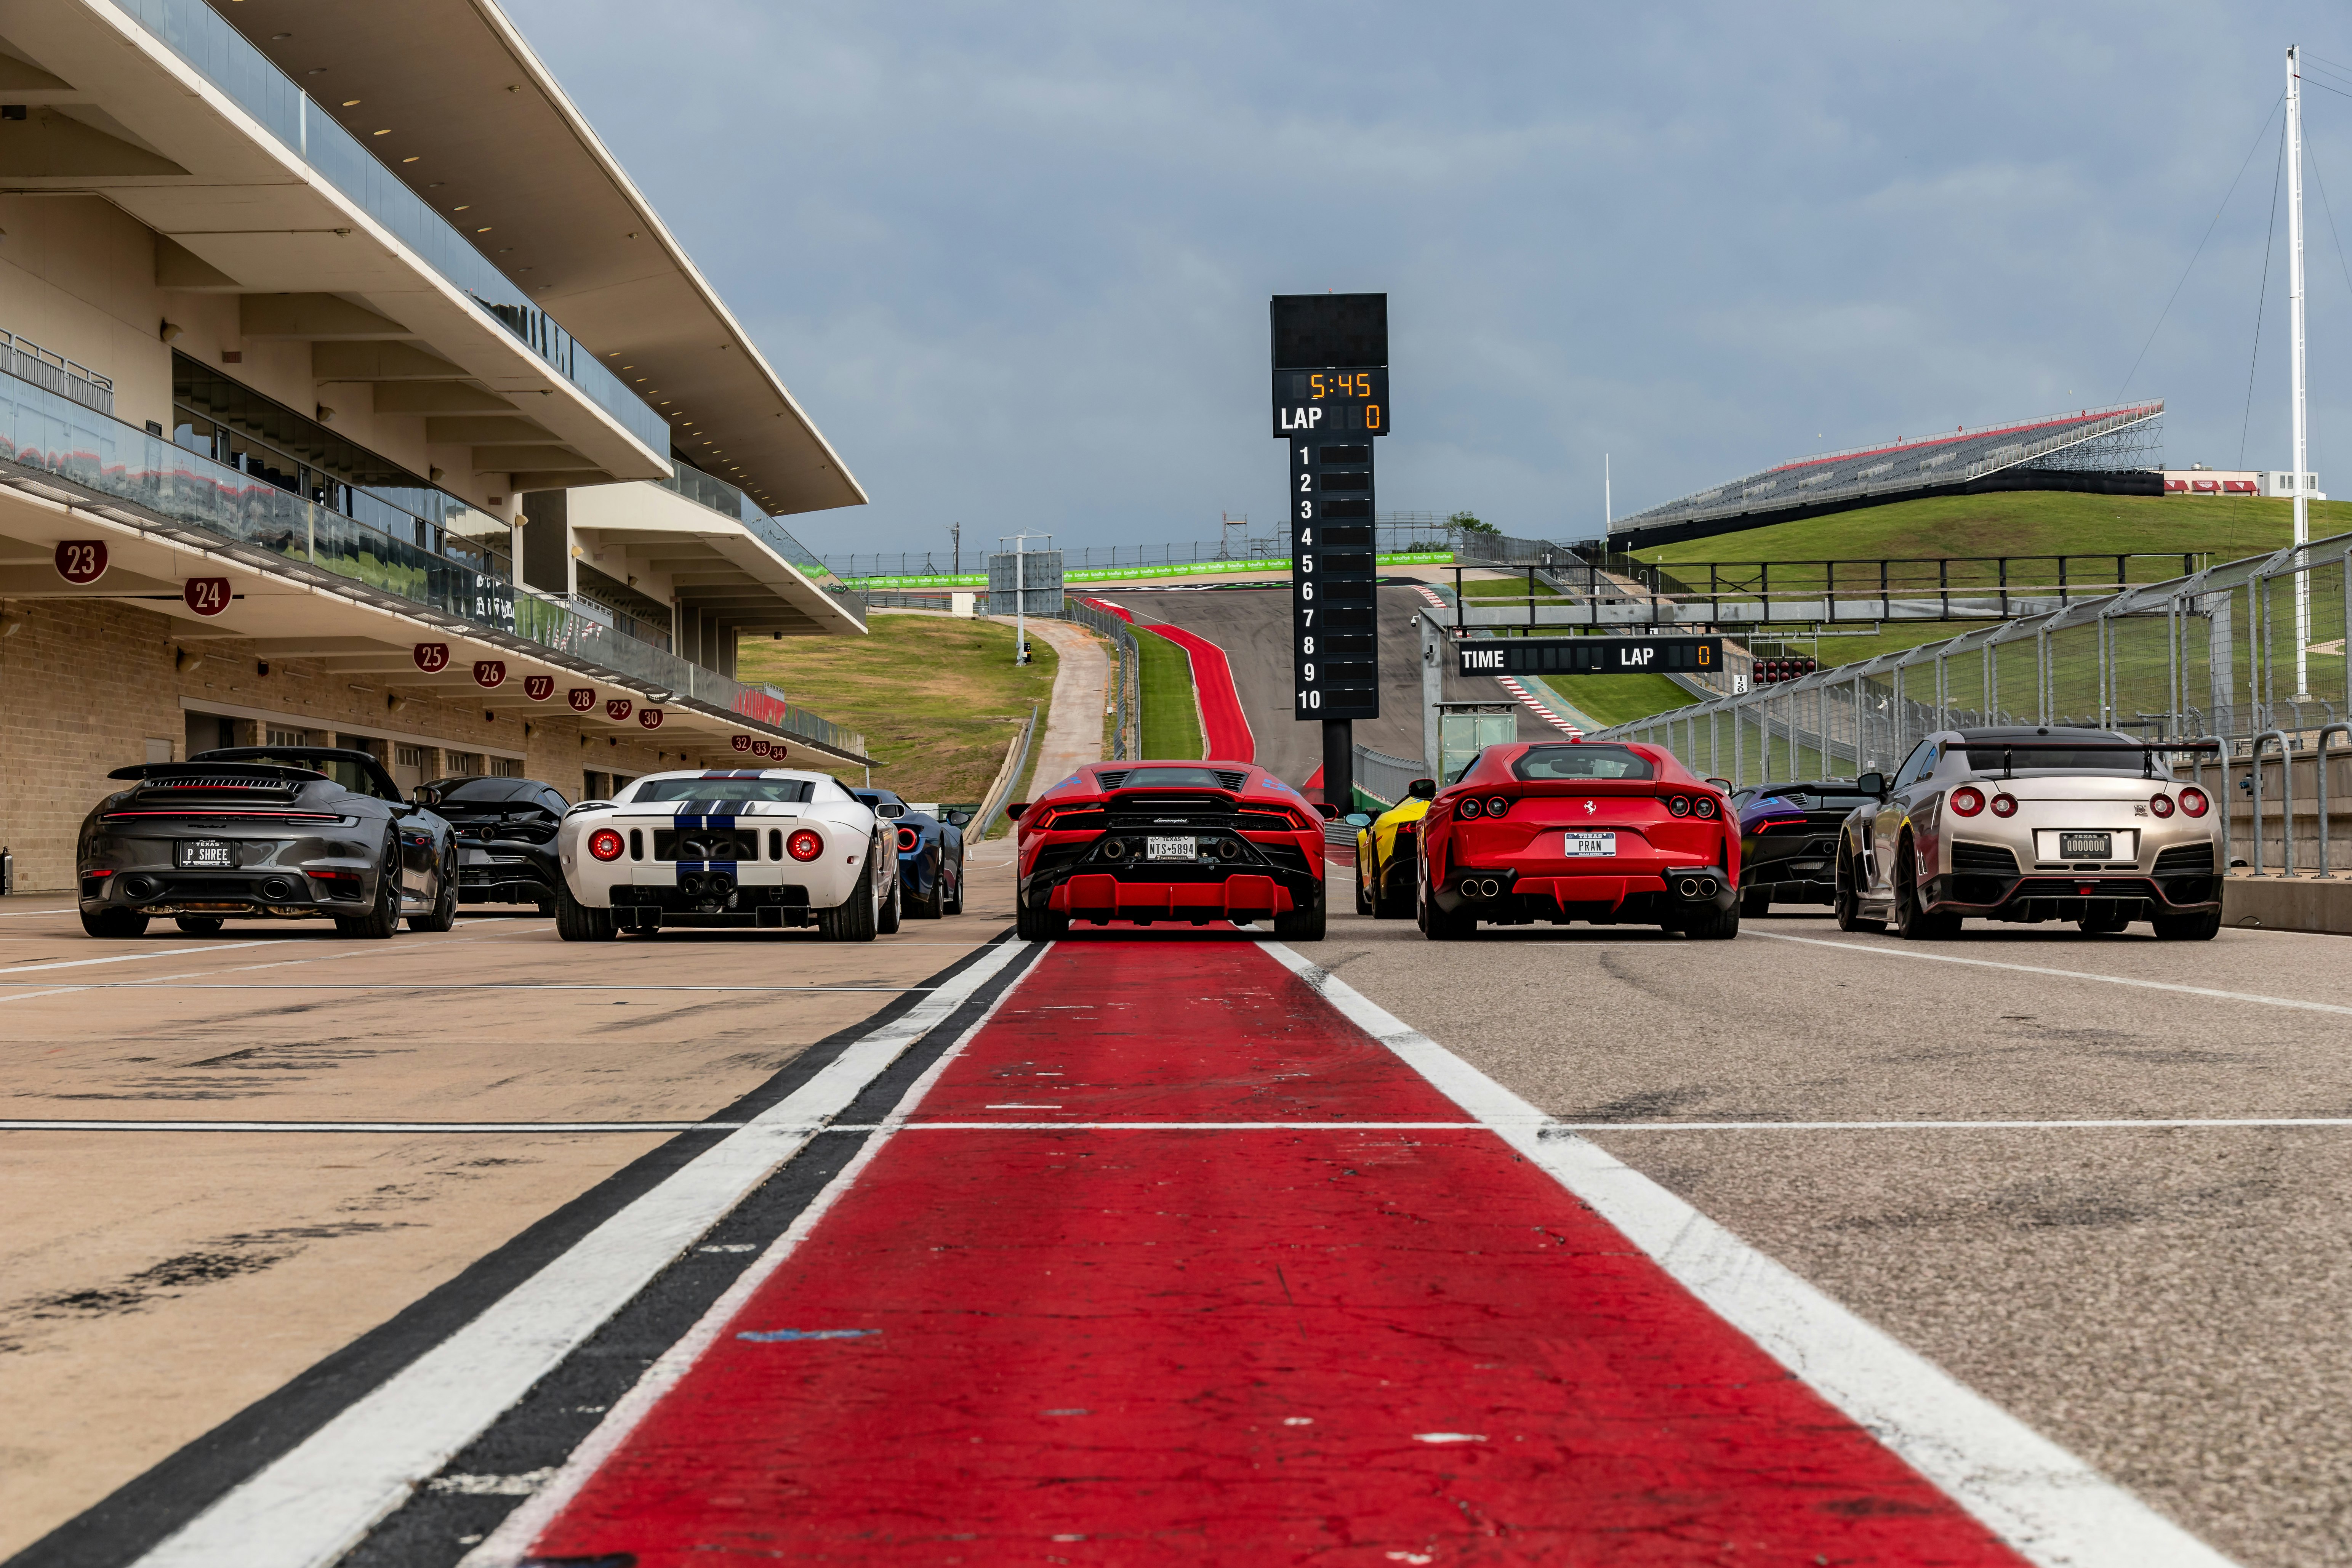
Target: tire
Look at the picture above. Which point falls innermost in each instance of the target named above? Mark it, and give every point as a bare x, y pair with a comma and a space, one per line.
1712, 925
380, 923
575, 921
885, 919
2108, 926
444, 906
2202, 927
954, 907
1364, 903
931, 909
1911, 921
1756, 902
1848, 900
113, 925
1388, 906
854, 919
1036, 923
1437, 925
200, 925
1301, 925
545, 905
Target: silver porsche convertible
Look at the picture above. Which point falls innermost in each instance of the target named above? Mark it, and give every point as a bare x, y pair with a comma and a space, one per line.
2032, 824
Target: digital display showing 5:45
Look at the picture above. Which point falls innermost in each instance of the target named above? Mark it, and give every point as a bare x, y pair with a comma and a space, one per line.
1336, 402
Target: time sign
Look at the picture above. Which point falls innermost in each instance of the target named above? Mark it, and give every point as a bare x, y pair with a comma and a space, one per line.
1587, 656
1330, 399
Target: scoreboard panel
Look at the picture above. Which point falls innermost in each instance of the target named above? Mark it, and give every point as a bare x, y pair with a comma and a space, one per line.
1588, 656
1330, 395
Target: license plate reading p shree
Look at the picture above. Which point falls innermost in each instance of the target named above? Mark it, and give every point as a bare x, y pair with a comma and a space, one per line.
1584, 844
2084, 846
206, 854
1156, 847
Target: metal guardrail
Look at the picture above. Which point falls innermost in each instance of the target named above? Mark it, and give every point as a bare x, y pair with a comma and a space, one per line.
999, 796
1384, 777
2249, 652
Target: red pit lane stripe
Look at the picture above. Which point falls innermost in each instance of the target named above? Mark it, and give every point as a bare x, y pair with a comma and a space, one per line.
1227, 730
1358, 1345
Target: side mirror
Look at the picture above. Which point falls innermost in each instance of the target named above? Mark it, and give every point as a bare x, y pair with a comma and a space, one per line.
1872, 784
1723, 785
423, 796
890, 811
1328, 809
1015, 809
957, 818
1358, 819
1422, 789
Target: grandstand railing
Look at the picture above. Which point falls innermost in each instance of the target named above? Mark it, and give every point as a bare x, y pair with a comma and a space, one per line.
2230, 651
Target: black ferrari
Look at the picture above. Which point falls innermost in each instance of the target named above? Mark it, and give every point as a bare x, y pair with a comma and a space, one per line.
930, 855
506, 837
266, 833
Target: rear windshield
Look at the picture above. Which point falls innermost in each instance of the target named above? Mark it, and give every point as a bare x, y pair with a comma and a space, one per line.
790, 792
1582, 762
483, 791
1172, 778
1986, 757
1814, 799
353, 777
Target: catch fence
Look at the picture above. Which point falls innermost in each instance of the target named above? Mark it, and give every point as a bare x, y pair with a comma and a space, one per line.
2250, 653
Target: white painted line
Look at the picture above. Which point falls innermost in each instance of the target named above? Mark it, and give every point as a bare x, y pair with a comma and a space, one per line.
2044, 1502
314, 1503
2253, 996
135, 957
507, 1545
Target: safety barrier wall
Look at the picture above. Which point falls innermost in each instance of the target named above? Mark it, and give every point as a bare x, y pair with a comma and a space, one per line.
2237, 651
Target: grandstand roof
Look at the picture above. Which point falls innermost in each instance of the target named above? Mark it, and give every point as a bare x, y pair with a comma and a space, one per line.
1889, 470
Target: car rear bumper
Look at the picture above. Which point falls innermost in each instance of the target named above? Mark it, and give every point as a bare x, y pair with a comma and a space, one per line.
1104, 896
248, 894
1636, 893
2088, 896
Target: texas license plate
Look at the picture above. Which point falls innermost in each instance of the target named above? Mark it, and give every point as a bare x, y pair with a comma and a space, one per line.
2086, 846
204, 854
1583, 844
1156, 847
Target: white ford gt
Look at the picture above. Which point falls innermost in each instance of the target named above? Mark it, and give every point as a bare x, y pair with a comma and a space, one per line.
768, 847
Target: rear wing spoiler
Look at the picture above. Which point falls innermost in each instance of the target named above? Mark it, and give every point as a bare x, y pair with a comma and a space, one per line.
2008, 749
164, 771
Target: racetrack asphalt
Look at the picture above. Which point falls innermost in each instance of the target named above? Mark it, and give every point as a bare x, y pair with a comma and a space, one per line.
2168, 1301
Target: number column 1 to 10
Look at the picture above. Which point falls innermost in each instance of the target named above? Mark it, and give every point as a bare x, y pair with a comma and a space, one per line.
1333, 625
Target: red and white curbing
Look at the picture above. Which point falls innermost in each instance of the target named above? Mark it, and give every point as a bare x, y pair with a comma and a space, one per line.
1512, 684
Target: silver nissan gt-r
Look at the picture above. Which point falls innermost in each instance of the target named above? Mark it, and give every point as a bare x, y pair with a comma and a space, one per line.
2032, 824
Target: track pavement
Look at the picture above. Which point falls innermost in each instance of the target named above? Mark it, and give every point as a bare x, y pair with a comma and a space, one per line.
2096, 1181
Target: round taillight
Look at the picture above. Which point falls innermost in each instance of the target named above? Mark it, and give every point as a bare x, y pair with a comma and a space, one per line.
1703, 806
604, 844
2194, 801
1678, 806
908, 839
1967, 802
2004, 805
803, 845
1467, 809
2161, 805
1498, 804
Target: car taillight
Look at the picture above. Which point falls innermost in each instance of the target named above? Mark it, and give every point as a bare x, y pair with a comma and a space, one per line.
1678, 806
1496, 804
1467, 809
908, 839
1038, 821
2194, 801
604, 844
1967, 802
803, 846
1703, 806
2161, 805
2004, 805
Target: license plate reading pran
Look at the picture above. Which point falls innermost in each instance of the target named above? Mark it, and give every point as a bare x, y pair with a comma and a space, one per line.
1584, 844
2086, 846
1156, 847
203, 853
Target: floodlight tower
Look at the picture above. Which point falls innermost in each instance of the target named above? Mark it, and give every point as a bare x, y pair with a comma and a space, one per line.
2295, 317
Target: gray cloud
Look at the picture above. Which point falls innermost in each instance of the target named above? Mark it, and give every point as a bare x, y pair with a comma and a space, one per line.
1014, 260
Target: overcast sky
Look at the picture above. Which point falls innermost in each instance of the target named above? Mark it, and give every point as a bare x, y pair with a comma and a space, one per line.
1014, 260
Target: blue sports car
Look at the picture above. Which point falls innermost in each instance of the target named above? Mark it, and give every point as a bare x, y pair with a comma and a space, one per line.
930, 855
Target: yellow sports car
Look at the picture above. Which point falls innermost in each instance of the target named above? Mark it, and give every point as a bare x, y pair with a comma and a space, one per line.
1384, 886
